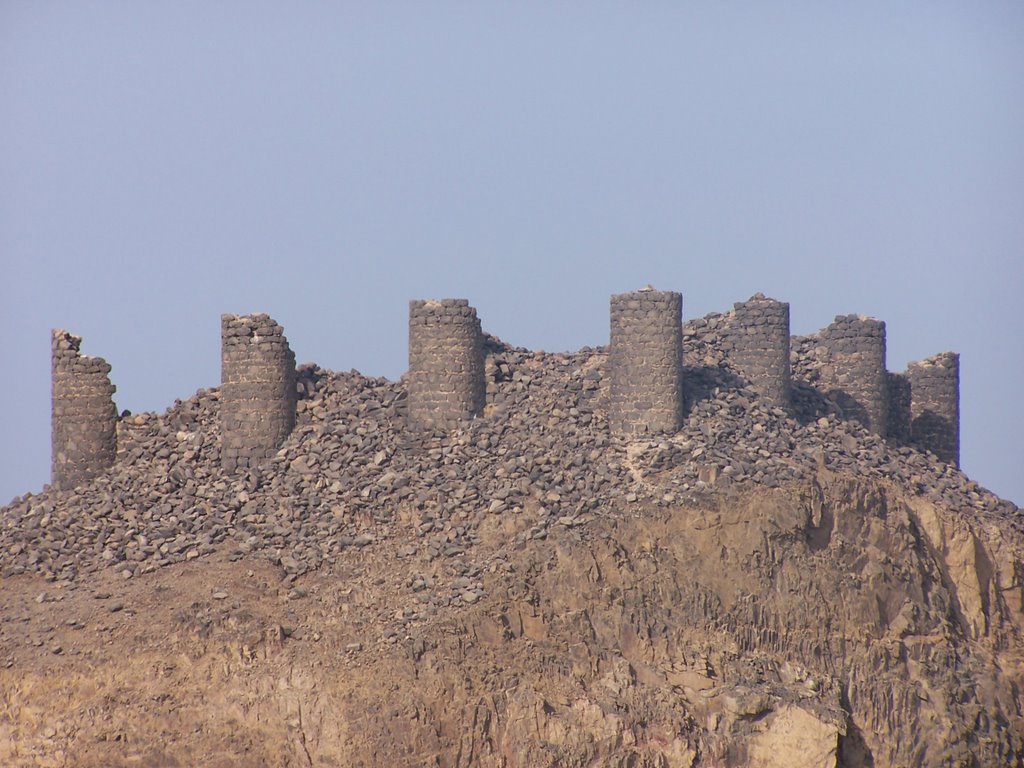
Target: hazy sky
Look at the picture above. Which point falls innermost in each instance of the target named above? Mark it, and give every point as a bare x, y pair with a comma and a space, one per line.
162, 163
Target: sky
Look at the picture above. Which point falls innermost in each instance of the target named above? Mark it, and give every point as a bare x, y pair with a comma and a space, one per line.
326, 162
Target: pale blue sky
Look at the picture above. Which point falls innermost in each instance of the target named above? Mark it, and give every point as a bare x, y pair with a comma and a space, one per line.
161, 163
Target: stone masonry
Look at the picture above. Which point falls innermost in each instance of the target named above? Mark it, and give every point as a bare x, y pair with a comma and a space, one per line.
645, 362
898, 425
854, 374
446, 382
257, 400
757, 345
935, 405
83, 415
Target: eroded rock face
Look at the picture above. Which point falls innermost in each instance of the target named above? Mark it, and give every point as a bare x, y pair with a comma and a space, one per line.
815, 624
795, 736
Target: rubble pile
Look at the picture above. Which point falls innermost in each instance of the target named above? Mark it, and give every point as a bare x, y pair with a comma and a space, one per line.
354, 471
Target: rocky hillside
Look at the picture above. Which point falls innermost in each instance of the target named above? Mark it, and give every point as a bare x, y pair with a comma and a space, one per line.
763, 588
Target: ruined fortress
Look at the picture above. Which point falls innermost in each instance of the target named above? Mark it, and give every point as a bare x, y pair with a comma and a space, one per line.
446, 383
702, 539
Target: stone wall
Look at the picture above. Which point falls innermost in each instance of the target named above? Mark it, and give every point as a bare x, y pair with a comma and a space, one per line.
757, 346
645, 362
257, 397
898, 424
853, 373
83, 416
935, 405
446, 382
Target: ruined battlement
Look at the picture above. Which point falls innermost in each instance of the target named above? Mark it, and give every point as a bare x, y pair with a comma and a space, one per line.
757, 346
645, 362
446, 363
935, 405
446, 383
257, 401
853, 371
83, 416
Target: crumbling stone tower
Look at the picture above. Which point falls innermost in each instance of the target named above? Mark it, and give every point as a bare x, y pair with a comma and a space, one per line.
935, 405
757, 344
257, 397
83, 416
446, 382
854, 374
645, 362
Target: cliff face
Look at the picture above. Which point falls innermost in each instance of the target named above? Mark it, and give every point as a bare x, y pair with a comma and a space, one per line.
831, 623
761, 589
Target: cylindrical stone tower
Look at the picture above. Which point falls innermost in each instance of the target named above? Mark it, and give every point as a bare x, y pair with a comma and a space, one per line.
257, 396
854, 375
83, 416
758, 346
446, 382
645, 363
935, 405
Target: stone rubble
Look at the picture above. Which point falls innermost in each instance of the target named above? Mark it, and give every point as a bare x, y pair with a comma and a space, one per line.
352, 474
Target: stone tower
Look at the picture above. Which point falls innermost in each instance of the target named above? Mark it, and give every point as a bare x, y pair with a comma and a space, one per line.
758, 346
854, 374
257, 397
83, 416
935, 405
446, 363
645, 362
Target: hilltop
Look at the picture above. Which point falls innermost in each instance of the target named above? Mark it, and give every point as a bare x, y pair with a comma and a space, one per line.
766, 585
